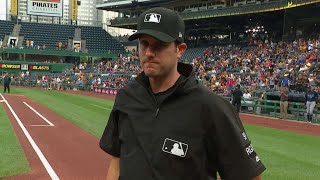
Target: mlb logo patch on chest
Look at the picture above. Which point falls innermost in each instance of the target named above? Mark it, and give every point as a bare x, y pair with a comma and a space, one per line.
175, 147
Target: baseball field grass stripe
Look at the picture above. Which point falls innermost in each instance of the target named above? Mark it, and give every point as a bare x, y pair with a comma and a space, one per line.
39, 153
12, 158
100, 107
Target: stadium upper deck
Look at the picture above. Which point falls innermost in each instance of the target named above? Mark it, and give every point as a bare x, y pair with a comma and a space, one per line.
228, 21
193, 9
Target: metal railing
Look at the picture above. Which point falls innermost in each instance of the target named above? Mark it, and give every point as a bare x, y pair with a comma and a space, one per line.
271, 108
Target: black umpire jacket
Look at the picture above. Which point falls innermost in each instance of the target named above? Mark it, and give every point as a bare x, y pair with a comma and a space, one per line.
191, 135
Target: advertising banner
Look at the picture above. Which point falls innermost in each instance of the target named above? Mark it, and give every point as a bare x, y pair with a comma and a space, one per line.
45, 7
24, 67
39, 68
9, 66
14, 8
74, 10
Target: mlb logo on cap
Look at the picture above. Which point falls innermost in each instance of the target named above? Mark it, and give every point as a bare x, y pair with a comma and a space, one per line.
152, 17
161, 23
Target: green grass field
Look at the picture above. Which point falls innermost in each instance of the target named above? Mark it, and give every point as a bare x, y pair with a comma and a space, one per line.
287, 155
12, 157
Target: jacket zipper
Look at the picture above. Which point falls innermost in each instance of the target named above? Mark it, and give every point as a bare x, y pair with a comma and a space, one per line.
157, 112
156, 105
154, 102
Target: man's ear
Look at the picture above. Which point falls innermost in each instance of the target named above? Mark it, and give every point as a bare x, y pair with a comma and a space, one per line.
181, 48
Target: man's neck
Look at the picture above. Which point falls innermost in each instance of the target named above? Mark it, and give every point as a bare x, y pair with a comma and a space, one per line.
161, 84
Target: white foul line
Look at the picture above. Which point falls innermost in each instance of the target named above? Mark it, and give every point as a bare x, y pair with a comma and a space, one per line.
43, 159
42, 125
101, 107
38, 114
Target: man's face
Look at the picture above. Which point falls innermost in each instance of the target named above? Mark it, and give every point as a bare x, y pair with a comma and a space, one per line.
157, 58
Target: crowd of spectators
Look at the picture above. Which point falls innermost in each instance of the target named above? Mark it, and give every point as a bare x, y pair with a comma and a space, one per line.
127, 65
264, 65
107, 73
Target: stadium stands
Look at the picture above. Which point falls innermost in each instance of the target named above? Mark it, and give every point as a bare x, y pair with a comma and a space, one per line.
48, 34
190, 54
98, 40
6, 28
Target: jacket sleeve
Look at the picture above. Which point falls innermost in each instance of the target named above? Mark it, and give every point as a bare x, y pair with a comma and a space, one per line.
228, 146
109, 141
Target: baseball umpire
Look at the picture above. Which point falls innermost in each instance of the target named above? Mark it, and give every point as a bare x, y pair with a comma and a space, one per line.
6, 82
166, 125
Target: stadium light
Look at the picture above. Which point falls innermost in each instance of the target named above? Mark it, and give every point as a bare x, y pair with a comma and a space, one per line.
256, 29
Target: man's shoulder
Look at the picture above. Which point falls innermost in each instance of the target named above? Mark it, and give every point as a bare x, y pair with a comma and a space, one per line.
217, 107
130, 89
203, 90
211, 98
132, 85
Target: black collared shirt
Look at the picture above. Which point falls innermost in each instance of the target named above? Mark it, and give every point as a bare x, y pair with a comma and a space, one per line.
190, 134
163, 95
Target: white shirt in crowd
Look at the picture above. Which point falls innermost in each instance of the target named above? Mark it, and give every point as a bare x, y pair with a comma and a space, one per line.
44, 78
115, 67
58, 80
81, 66
246, 95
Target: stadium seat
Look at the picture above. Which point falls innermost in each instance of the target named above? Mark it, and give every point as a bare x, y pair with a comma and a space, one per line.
6, 28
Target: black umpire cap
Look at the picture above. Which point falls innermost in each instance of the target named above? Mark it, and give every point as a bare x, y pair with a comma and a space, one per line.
161, 23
